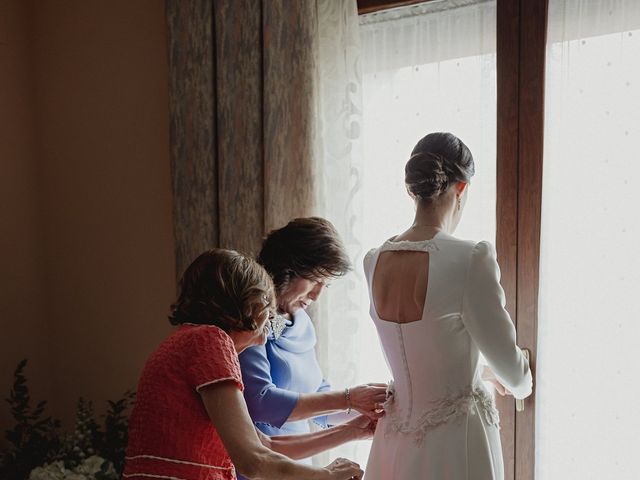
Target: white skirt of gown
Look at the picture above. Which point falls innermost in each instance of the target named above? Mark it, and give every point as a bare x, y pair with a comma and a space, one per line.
467, 448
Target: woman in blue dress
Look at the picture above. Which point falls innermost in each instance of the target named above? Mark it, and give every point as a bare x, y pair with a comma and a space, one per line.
284, 386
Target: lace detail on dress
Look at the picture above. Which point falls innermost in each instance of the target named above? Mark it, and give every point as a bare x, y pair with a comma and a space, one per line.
444, 410
406, 245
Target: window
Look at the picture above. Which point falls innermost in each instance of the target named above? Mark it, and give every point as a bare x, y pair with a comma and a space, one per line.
429, 67
588, 331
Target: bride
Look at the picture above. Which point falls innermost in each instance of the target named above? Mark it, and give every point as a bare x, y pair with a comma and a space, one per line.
438, 307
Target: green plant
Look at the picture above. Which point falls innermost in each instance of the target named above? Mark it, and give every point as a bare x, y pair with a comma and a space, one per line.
92, 451
76, 447
33, 437
116, 426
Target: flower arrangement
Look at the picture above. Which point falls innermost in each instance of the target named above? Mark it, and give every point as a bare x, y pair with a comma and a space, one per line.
93, 467
38, 450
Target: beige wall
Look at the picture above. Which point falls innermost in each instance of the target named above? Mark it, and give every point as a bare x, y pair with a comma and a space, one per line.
99, 192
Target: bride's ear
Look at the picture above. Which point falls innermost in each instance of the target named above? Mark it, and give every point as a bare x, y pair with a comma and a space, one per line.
413, 197
461, 187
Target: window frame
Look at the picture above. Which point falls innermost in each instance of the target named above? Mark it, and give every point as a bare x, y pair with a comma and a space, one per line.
370, 6
521, 57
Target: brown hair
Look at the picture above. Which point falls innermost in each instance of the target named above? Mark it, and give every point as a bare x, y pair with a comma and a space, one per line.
223, 288
437, 161
306, 247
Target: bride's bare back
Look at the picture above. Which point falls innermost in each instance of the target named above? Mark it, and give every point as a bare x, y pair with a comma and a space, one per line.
400, 285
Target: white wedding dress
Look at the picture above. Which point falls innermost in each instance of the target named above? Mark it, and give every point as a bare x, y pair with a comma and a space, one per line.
441, 423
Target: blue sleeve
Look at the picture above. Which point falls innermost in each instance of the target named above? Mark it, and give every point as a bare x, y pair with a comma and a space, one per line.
266, 402
322, 420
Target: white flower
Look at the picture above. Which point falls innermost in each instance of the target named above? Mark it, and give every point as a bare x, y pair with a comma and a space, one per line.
85, 471
52, 471
77, 476
40, 473
90, 465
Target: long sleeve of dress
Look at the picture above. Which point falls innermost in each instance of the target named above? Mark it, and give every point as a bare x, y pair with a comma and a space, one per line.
489, 324
266, 402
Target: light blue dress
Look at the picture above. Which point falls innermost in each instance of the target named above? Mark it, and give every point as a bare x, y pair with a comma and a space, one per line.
275, 374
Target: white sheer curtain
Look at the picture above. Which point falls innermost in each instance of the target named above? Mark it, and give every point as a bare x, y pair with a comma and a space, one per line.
385, 80
587, 420
428, 68
339, 314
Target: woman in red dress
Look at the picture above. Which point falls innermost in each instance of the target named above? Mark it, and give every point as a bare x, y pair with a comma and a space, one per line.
190, 420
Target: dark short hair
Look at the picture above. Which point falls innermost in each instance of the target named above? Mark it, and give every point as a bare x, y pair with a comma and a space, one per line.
306, 247
223, 288
437, 161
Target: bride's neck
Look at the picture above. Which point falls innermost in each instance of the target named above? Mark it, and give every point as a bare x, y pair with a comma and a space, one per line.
431, 218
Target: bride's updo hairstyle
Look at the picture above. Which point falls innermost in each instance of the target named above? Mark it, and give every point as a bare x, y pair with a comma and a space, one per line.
437, 161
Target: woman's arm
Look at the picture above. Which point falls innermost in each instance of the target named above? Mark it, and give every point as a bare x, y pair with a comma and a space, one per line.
489, 324
321, 420
308, 444
275, 406
228, 412
318, 403
366, 399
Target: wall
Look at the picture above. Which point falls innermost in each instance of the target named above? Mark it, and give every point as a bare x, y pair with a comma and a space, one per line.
102, 182
23, 329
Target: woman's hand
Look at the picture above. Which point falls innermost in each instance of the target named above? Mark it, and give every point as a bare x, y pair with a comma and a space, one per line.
369, 399
362, 426
251, 453
489, 376
343, 469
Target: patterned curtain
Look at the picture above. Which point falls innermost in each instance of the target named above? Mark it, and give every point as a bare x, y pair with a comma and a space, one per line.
266, 126
243, 133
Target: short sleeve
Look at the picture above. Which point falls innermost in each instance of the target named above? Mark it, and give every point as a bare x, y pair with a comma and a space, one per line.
212, 358
490, 325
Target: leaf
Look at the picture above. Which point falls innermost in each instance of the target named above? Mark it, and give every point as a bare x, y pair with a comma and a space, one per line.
32, 438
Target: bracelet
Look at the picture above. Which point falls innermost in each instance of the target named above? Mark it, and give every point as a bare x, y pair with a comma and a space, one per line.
347, 397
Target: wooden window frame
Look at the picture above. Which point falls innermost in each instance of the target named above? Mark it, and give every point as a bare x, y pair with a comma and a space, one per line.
521, 54
370, 6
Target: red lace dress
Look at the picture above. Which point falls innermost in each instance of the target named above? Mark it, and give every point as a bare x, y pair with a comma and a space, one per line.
170, 433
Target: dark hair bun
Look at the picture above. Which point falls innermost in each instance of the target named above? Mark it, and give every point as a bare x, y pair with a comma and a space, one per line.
425, 175
437, 161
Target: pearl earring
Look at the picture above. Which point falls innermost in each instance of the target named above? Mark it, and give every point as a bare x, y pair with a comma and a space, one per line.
459, 204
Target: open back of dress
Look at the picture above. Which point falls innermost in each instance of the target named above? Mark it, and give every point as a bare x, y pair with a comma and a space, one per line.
400, 283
